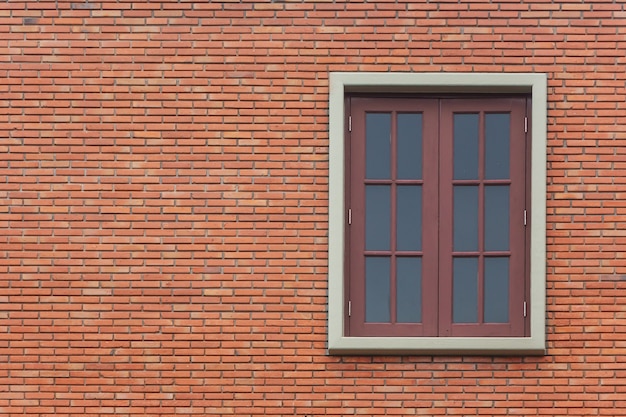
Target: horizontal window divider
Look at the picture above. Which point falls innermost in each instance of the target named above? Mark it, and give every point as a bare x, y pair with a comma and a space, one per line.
484, 182
392, 181
489, 254
409, 182
390, 253
497, 182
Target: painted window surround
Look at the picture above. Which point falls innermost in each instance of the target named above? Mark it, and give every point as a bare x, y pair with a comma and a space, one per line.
345, 82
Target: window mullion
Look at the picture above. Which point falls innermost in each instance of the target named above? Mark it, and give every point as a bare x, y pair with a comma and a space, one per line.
430, 218
393, 225
481, 218
445, 201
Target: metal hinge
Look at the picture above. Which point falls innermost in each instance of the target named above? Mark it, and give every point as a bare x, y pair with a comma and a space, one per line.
525, 217
525, 310
349, 308
349, 216
525, 124
349, 123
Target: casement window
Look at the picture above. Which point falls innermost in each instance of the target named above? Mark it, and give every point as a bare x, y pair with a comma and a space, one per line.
435, 248
437, 228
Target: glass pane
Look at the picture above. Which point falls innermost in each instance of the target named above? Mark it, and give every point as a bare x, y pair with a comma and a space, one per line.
377, 145
409, 220
409, 290
465, 290
465, 146
377, 217
465, 218
377, 290
496, 290
497, 217
410, 146
497, 138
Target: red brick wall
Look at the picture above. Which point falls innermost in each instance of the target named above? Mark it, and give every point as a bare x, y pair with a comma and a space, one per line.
163, 206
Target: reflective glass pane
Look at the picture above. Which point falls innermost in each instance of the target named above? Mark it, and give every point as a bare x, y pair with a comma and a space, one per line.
497, 138
465, 146
377, 217
377, 290
497, 217
409, 217
465, 290
465, 218
410, 146
377, 145
496, 290
409, 290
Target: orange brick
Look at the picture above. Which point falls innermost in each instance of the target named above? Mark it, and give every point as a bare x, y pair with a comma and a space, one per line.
164, 206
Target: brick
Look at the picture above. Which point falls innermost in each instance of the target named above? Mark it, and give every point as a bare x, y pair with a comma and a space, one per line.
164, 203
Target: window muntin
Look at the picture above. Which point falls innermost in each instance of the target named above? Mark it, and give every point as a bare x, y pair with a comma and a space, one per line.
460, 265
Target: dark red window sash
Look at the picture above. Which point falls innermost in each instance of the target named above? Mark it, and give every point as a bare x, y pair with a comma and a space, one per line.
517, 230
429, 110
436, 217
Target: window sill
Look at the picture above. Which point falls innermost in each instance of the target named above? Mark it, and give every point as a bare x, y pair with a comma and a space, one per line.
436, 346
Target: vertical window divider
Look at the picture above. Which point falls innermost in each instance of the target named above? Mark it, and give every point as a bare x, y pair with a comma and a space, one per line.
394, 213
431, 218
481, 217
445, 230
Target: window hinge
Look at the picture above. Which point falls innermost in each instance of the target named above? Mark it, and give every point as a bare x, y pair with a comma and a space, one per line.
525, 309
525, 124
525, 217
350, 216
349, 308
349, 123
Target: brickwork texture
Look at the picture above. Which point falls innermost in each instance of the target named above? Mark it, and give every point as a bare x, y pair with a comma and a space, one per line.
164, 206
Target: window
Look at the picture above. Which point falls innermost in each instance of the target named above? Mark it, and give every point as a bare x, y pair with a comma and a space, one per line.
436, 236
437, 213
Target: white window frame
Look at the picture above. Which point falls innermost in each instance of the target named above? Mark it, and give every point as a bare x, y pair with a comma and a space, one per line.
342, 83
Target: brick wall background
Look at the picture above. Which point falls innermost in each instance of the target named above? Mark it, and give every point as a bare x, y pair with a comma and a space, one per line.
163, 206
